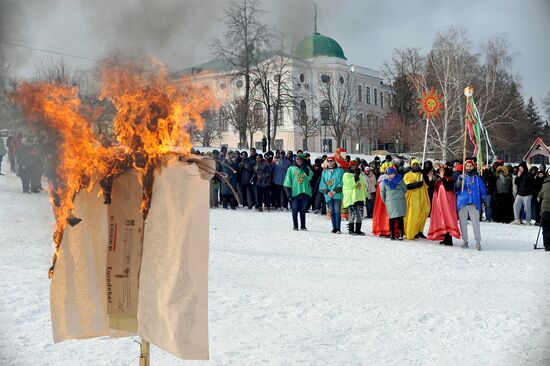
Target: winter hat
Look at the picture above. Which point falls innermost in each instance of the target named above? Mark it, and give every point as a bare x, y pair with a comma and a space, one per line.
353, 162
391, 170
331, 157
301, 156
414, 161
470, 161
368, 169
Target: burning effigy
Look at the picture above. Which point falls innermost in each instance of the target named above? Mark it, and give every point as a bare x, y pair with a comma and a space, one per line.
131, 216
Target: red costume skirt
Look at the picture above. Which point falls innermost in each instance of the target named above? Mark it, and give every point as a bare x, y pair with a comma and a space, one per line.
444, 218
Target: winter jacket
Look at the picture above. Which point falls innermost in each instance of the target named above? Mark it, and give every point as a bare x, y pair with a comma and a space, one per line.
354, 188
247, 169
332, 181
473, 193
524, 184
371, 183
490, 181
394, 198
262, 174
544, 195
279, 170
297, 180
229, 167
504, 181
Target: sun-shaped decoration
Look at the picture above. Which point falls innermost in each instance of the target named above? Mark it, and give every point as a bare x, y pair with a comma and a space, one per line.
430, 104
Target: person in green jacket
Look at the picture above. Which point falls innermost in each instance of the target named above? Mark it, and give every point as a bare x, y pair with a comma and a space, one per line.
354, 191
331, 186
298, 189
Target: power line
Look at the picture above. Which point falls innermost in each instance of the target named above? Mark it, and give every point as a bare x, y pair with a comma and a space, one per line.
47, 51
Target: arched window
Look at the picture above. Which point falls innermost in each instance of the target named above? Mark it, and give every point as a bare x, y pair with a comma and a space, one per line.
325, 111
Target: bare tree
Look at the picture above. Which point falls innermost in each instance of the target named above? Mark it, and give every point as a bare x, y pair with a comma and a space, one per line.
272, 81
449, 69
546, 105
210, 128
236, 114
11, 116
256, 121
307, 124
56, 70
244, 38
337, 99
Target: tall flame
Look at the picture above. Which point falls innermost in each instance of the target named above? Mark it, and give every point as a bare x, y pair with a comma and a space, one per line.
153, 119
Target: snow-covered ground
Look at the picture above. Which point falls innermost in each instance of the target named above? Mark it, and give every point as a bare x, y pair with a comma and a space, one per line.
279, 297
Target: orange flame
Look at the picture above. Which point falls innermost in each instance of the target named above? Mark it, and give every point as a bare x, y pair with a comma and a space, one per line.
153, 117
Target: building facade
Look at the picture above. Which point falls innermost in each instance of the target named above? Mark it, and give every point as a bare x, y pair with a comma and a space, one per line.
322, 102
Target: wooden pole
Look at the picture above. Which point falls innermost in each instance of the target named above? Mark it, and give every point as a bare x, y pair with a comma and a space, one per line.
144, 357
425, 142
464, 146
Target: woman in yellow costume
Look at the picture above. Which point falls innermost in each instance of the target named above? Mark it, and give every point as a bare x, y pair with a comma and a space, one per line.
418, 202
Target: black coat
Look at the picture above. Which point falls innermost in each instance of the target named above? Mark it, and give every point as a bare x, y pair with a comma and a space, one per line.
525, 184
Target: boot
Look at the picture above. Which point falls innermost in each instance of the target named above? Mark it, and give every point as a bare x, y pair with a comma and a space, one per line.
478, 246
448, 240
358, 229
351, 228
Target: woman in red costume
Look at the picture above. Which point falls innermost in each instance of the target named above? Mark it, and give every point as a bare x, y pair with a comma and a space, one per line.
444, 219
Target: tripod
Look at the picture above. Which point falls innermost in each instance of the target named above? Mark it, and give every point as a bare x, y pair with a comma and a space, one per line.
537, 242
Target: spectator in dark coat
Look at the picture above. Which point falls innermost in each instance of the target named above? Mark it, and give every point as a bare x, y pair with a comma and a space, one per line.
524, 185
317, 199
247, 172
262, 181
280, 200
538, 180
24, 162
544, 198
215, 181
504, 199
490, 180
229, 168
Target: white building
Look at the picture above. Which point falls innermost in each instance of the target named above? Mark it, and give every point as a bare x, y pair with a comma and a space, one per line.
316, 62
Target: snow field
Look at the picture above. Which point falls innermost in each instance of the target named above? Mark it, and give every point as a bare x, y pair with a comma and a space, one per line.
279, 297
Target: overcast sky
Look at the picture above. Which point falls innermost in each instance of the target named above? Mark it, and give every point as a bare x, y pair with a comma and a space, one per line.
179, 32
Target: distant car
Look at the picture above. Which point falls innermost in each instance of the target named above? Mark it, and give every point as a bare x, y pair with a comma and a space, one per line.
4, 133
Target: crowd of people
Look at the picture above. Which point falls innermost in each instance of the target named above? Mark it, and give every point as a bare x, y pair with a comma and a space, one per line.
398, 196
28, 158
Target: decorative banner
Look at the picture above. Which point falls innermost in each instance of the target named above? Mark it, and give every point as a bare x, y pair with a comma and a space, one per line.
473, 122
430, 105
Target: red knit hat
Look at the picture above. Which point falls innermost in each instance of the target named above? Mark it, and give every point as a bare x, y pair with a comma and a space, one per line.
469, 161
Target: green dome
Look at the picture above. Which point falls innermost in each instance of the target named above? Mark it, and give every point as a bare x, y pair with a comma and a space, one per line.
318, 45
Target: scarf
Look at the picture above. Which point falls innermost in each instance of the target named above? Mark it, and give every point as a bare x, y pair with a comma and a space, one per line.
392, 183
